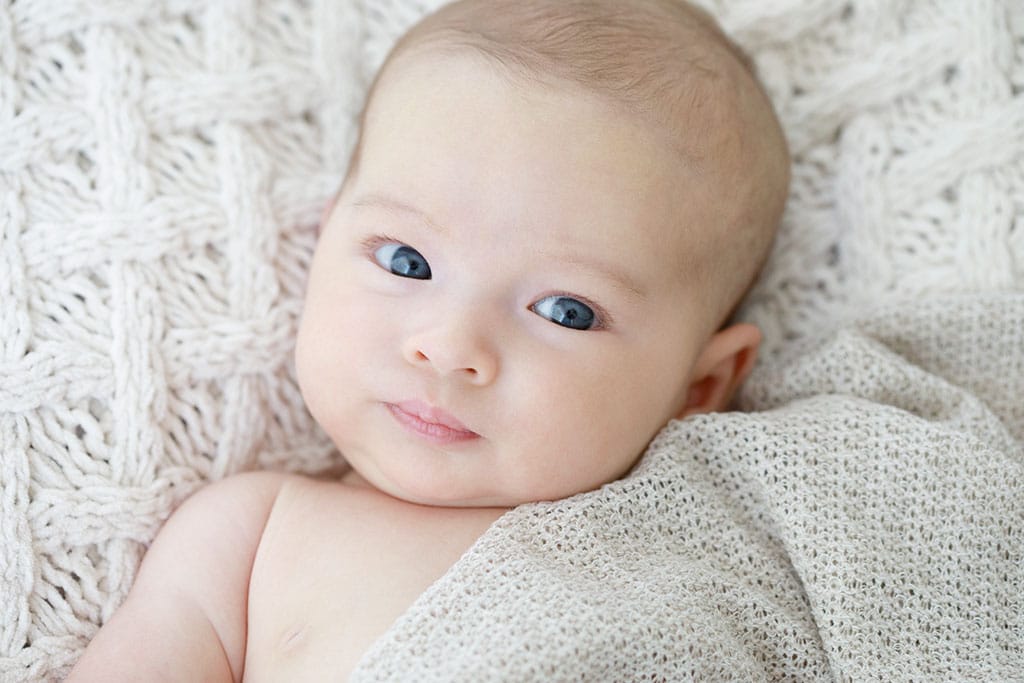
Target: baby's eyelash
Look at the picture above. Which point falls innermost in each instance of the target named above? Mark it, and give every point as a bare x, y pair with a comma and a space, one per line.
369, 244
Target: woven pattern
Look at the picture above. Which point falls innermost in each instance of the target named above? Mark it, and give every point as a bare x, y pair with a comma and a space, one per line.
907, 122
162, 165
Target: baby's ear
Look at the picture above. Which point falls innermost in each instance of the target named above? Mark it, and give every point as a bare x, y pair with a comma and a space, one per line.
725, 362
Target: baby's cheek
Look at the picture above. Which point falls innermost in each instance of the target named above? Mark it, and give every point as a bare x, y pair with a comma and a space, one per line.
570, 432
613, 430
322, 360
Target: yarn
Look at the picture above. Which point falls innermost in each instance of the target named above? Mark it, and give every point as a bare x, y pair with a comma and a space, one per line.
163, 166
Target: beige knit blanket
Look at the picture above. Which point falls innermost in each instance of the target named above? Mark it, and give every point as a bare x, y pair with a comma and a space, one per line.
162, 168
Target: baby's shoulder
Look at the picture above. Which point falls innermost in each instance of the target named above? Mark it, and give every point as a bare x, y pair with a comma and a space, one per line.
239, 507
261, 491
244, 494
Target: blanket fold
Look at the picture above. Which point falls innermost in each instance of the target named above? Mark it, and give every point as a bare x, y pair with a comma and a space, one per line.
864, 521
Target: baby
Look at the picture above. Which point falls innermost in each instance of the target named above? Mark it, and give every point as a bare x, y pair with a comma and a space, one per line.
553, 209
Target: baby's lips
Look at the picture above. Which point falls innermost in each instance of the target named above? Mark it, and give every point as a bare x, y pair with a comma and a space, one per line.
433, 415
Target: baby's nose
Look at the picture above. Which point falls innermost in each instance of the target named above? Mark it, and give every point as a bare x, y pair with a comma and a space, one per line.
454, 348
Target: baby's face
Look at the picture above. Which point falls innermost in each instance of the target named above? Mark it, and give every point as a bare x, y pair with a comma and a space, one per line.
497, 311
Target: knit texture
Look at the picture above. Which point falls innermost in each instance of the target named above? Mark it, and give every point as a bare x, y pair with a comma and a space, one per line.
162, 169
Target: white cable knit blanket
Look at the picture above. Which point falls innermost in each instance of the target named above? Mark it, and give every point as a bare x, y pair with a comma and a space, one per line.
163, 165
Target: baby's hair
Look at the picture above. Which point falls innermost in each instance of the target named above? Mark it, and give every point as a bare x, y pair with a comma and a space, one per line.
664, 61
629, 50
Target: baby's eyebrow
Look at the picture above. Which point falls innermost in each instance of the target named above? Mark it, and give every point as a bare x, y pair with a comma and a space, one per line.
605, 271
380, 201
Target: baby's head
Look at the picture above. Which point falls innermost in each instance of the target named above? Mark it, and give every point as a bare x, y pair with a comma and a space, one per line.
552, 210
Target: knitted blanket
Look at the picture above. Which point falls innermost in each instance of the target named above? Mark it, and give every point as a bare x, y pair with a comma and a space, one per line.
162, 169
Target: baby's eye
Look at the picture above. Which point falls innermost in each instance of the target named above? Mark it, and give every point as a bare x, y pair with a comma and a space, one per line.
402, 260
565, 311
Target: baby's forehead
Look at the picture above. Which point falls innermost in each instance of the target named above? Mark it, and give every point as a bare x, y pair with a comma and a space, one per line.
476, 150
696, 135
547, 115
674, 71
654, 160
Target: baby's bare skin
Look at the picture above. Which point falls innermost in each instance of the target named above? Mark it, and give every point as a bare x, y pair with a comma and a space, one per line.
336, 565
274, 577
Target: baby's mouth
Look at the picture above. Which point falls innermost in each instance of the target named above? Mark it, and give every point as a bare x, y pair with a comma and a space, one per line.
430, 423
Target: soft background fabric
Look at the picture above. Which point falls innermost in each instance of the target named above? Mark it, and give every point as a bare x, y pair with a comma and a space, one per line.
162, 169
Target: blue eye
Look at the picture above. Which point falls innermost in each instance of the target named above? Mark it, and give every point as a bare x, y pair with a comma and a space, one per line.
402, 261
565, 311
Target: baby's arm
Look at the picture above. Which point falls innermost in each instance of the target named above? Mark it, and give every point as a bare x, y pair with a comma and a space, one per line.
185, 616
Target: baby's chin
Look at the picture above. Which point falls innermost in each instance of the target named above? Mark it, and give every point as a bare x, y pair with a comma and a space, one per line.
433, 494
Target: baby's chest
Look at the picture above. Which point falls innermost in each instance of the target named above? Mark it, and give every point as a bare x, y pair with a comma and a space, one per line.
335, 568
